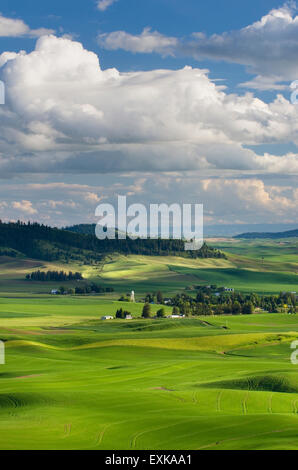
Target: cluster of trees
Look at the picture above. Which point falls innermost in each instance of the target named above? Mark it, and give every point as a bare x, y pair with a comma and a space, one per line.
155, 298
124, 298
54, 276
207, 303
285, 298
122, 314
47, 243
92, 288
84, 289
146, 313
161, 313
213, 300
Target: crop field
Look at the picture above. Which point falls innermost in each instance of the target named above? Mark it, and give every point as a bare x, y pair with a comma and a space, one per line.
249, 267
81, 383
73, 381
262, 267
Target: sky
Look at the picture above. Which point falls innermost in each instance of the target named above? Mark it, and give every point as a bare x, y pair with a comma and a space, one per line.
163, 101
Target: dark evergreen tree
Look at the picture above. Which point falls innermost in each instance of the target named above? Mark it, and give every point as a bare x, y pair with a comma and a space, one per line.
146, 311
159, 297
161, 313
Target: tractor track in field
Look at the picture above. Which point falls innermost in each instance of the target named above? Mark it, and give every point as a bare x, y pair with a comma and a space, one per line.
15, 402
270, 404
194, 398
136, 436
244, 403
67, 429
102, 433
21, 400
11, 401
218, 401
233, 439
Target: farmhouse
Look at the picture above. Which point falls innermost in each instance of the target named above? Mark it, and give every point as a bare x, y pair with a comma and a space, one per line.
176, 316
128, 317
107, 317
229, 289
54, 292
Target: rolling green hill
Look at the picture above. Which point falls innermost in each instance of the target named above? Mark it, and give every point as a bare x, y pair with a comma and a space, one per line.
72, 381
249, 266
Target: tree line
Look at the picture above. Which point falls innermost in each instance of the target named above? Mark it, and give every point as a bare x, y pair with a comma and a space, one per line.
49, 276
84, 289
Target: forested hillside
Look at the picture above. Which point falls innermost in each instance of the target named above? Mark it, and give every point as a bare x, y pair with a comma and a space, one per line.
47, 243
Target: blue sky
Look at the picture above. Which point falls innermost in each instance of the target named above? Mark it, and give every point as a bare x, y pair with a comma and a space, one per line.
84, 22
222, 132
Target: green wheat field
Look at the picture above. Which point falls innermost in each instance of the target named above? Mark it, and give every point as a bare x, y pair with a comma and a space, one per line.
73, 381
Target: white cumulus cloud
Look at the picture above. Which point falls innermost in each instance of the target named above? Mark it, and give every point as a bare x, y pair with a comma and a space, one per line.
64, 114
24, 206
148, 41
11, 27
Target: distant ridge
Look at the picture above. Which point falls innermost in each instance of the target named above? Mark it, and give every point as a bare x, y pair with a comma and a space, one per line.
218, 230
251, 235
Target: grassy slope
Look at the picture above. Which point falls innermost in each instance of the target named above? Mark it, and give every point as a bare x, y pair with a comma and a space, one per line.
244, 269
269, 267
148, 384
74, 382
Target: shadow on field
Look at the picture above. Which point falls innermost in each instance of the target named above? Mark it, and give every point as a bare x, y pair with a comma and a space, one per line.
263, 383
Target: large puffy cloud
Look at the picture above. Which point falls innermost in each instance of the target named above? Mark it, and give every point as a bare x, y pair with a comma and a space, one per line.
63, 113
11, 27
267, 47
